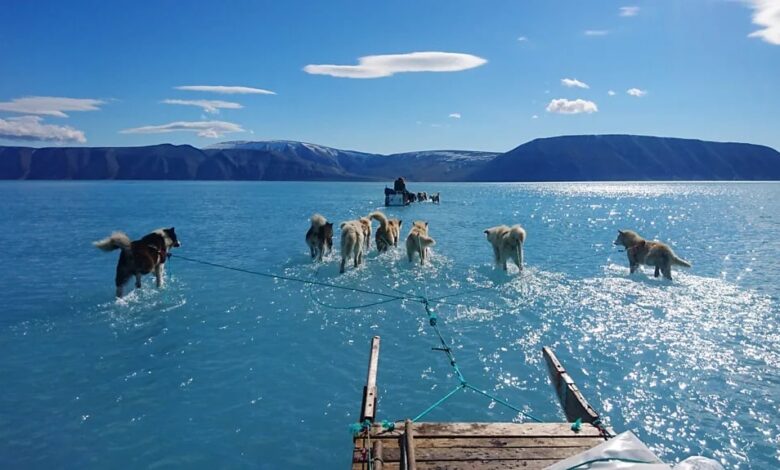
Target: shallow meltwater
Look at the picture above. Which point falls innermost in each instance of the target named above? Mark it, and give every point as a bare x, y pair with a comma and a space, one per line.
225, 368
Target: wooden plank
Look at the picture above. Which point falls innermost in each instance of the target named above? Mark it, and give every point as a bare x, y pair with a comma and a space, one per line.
377, 458
486, 465
443, 454
368, 409
501, 430
501, 442
409, 450
471, 465
574, 404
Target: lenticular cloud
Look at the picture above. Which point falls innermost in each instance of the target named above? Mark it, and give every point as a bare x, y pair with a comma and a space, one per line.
376, 66
31, 128
210, 129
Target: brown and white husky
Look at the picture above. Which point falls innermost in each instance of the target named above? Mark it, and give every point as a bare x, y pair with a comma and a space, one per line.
388, 233
650, 253
507, 244
319, 237
418, 241
140, 257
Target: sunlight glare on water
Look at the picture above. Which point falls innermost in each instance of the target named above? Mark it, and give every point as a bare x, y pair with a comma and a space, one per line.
225, 369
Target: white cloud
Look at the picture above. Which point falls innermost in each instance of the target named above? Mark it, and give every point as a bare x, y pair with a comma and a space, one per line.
564, 106
636, 92
376, 66
766, 13
454, 115
534, 117
629, 11
573, 82
210, 106
522, 39
211, 129
226, 90
49, 105
31, 128
596, 32
611, 93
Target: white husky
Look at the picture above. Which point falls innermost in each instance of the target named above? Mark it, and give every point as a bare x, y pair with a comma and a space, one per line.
507, 244
353, 241
418, 241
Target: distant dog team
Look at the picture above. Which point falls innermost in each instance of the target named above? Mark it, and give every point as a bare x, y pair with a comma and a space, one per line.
149, 254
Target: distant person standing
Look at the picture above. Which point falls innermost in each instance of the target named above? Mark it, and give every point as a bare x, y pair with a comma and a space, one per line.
400, 185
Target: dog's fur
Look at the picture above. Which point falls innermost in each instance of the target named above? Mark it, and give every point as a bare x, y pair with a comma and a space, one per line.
140, 257
435, 198
650, 253
353, 235
507, 244
365, 224
418, 241
319, 237
388, 233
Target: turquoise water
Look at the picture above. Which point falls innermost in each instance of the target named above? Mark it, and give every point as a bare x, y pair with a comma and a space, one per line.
222, 369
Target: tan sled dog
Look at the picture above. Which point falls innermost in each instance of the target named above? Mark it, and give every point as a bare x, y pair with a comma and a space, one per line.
650, 253
418, 241
365, 224
352, 242
388, 233
507, 244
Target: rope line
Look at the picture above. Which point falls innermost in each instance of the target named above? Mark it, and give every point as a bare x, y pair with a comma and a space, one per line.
432, 321
289, 278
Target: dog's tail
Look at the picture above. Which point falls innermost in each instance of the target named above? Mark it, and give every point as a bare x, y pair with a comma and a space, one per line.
379, 217
679, 261
117, 240
318, 221
517, 233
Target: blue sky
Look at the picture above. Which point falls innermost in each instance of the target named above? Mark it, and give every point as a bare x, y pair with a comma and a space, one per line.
99, 73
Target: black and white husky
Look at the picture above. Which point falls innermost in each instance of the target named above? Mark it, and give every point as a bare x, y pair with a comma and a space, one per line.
140, 257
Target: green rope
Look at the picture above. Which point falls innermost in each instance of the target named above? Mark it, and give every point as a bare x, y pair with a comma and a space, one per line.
508, 405
438, 402
291, 279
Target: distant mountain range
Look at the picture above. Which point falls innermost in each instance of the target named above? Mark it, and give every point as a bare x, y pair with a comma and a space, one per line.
565, 158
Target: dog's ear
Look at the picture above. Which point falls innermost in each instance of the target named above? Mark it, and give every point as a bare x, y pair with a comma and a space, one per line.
486, 232
400, 222
426, 224
642, 243
329, 224
620, 231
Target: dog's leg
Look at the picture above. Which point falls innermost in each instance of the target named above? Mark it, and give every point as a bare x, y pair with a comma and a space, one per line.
121, 279
657, 271
311, 251
158, 274
137, 280
633, 267
496, 255
343, 262
667, 270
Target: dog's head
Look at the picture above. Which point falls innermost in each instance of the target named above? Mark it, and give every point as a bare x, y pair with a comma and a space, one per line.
171, 240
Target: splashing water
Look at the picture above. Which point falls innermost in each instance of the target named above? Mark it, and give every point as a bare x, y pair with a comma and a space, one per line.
221, 368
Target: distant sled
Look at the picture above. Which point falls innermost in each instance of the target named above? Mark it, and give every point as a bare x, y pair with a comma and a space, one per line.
395, 198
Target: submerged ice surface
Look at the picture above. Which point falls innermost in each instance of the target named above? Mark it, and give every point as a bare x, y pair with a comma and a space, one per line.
225, 369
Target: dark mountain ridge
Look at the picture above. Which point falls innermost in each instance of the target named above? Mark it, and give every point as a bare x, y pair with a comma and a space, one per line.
565, 158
